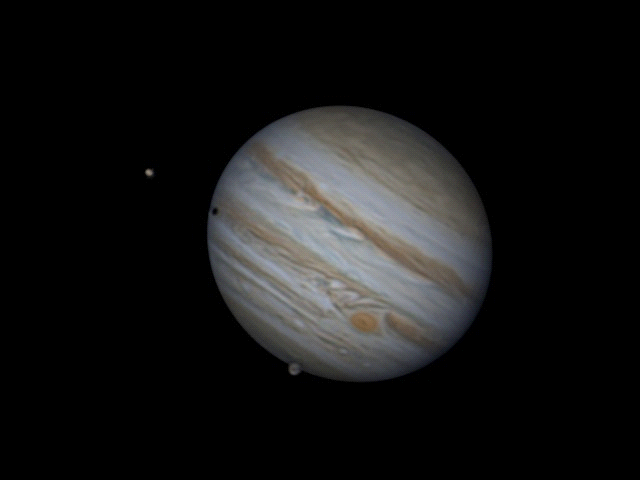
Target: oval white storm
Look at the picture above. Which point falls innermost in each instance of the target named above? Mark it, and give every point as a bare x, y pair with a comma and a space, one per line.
349, 243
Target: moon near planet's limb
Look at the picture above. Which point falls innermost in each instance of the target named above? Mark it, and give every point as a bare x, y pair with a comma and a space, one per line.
350, 241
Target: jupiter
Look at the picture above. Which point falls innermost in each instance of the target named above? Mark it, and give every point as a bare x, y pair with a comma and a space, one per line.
349, 243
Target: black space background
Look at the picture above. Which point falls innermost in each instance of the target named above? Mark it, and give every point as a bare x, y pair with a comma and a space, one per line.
172, 343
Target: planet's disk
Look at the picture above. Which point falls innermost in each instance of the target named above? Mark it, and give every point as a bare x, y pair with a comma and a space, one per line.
349, 243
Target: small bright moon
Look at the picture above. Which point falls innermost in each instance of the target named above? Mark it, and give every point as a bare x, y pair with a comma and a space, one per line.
294, 369
149, 172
